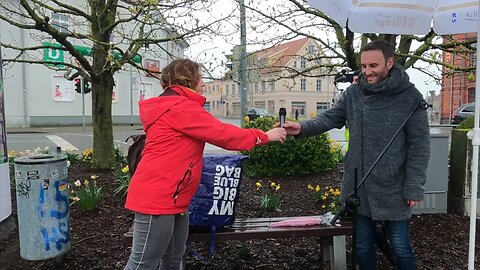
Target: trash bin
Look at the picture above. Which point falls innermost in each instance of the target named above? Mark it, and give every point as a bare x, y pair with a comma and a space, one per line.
42, 206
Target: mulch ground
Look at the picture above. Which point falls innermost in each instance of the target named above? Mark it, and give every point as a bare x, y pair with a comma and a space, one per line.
97, 242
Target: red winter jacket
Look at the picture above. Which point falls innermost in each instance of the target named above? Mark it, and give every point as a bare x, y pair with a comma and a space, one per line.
177, 127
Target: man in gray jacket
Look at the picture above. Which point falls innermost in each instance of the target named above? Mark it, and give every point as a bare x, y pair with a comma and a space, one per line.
375, 108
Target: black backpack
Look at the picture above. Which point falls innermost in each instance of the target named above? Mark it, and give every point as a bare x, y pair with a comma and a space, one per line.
135, 152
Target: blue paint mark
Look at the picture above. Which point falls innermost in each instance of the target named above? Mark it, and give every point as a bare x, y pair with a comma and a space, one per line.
62, 203
46, 241
41, 201
454, 17
59, 234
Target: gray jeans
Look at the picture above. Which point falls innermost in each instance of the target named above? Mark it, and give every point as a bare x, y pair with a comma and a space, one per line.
158, 242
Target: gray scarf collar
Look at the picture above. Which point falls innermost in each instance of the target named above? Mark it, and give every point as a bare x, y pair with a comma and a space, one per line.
397, 80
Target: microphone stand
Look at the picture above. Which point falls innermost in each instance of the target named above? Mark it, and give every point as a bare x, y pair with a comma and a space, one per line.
352, 201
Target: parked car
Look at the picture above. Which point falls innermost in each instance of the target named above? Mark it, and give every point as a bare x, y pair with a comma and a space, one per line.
462, 113
254, 113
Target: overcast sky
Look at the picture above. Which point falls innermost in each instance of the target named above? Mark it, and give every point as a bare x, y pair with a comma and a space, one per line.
207, 50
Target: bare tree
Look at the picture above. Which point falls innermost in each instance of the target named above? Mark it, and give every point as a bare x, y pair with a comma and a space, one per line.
290, 19
113, 33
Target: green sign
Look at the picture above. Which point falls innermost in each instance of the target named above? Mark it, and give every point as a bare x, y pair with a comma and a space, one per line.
50, 54
53, 55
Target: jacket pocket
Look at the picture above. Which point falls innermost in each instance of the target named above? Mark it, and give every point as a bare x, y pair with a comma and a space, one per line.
183, 182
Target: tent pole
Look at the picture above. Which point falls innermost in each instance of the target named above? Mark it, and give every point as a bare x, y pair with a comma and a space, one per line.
475, 144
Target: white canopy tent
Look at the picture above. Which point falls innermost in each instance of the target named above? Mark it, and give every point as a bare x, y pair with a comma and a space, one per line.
414, 17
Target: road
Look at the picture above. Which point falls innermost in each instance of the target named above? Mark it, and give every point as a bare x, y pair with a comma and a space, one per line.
79, 138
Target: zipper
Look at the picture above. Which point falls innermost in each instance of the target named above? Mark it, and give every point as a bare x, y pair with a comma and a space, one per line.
186, 176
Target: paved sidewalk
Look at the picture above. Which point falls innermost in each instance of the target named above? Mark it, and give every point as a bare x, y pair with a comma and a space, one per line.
69, 129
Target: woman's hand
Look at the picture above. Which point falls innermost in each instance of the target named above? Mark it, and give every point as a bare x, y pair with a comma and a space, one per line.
277, 135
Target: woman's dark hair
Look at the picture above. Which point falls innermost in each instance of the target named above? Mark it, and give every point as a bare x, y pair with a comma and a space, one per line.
379, 45
181, 72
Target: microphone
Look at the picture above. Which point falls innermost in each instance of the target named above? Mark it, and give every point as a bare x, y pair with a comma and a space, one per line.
283, 115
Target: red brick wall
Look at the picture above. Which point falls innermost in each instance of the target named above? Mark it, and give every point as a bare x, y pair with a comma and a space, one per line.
461, 86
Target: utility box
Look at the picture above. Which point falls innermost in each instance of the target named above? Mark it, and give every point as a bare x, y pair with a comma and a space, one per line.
42, 206
436, 187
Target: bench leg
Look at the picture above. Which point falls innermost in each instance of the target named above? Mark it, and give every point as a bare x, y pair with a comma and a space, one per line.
338, 258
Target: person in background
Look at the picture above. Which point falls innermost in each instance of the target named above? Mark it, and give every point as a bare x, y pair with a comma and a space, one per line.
167, 177
375, 108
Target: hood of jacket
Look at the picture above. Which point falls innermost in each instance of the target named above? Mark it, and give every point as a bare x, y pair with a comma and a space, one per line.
396, 81
153, 108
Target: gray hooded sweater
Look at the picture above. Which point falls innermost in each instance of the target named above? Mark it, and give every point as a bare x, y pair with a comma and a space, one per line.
374, 112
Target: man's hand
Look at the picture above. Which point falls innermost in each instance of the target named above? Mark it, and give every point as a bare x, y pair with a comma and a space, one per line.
292, 128
412, 203
277, 134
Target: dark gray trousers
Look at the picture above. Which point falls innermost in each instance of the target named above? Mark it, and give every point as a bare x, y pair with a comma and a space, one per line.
158, 242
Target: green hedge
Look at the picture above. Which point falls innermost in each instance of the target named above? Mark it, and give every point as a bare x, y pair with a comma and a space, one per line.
293, 157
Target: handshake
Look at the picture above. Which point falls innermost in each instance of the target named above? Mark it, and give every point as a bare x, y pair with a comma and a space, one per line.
280, 130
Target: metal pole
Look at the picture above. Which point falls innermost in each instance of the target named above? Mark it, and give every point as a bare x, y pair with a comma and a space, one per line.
451, 90
3, 129
243, 63
131, 96
82, 84
474, 168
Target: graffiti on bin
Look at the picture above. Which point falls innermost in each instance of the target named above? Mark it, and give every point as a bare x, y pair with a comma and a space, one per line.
23, 188
57, 233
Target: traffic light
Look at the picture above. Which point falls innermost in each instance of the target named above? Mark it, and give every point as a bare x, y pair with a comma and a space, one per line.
78, 85
86, 87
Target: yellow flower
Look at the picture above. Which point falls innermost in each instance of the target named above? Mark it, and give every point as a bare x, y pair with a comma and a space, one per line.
85, 182
332, 205
337, 192
323, 206
272, 184
11, 153
324, 197
331, 190
259, 185
125, 169
277, 188
317, 189
310, 187
94, 177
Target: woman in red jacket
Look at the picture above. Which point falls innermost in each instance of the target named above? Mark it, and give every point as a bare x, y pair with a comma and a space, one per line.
167, 177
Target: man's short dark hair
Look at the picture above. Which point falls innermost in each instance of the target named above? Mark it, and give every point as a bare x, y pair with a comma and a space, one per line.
379, 45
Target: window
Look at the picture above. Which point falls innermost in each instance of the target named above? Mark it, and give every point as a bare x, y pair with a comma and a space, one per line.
321, 107
300, 106
226, 90
303, 63
311, 48
303, 84
271, 106
295, 64
256, 87
319, 85
272, 86
260, 104
263, 87
233, 89
60, 22
218, 87
207, 106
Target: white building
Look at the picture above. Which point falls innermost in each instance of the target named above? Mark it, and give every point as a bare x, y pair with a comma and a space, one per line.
38, 96
281, 76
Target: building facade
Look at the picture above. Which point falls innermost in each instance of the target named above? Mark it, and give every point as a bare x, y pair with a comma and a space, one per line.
285, 75
36, 95
458, 87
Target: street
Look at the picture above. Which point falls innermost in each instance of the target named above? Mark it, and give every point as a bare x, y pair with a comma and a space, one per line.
78, 138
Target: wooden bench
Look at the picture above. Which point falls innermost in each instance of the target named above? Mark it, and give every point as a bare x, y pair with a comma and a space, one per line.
332, 237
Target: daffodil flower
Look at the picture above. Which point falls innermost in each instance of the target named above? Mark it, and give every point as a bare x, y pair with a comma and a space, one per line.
125, 169
85, 182
94, 177
310, 187
259, 185
273, 184
77, 183
76, 199
277, 188
317, 188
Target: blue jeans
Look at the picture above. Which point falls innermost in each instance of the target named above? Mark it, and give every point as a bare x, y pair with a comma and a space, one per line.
398, 236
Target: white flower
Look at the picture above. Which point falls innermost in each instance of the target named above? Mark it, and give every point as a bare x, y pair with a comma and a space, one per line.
68, 163
77, 183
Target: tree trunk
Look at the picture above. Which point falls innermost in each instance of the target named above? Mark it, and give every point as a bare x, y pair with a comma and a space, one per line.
103, 148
